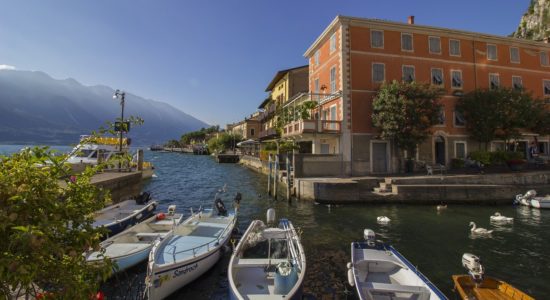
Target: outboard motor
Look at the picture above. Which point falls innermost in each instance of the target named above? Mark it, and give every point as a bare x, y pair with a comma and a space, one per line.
369, 236
143, 198
237, 201
473, 264
220, 207
270, 216
171, 210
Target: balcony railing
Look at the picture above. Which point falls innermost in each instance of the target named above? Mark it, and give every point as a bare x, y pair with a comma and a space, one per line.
312, 126
271, 132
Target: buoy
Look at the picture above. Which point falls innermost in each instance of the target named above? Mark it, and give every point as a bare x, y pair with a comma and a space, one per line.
161, 216
270, 216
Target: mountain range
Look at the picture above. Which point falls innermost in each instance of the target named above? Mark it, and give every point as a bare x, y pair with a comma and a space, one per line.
38, 109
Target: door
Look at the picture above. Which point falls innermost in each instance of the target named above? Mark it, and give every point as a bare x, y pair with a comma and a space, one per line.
325, 148
379, 157
440, 150
333, 117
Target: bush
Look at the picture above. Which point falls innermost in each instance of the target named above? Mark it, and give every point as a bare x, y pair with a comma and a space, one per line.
264, 154
482, 156
457, 163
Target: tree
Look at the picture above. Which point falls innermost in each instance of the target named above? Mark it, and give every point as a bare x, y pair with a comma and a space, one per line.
223, 142
405, 112
46, 226
500, 113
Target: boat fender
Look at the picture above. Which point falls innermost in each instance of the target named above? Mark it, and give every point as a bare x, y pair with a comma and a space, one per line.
270, 216
138, 217
220, 207
351, 281
160, 216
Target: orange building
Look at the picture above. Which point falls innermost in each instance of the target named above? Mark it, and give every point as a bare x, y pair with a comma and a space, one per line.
353, 56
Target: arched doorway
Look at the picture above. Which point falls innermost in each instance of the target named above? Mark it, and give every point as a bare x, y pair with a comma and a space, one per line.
439, 150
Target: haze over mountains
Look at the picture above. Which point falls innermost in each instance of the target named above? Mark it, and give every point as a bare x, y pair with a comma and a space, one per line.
37, 109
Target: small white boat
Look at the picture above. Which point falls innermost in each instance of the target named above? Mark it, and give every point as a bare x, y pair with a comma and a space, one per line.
378, 271
530, 199
268, 263
132, 246
187, 252
125, 214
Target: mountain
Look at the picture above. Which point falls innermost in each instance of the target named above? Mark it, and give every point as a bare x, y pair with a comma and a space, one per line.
36, 108
535, 23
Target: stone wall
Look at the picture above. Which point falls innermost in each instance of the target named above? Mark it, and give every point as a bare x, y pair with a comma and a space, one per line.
318, 165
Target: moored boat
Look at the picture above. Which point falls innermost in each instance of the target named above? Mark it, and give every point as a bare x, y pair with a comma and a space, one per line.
477, 286
530, 199
125, 214
268, 263
187, 252
379, 271
132, 246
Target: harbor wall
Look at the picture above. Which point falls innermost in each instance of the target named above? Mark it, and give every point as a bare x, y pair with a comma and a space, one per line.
122, 185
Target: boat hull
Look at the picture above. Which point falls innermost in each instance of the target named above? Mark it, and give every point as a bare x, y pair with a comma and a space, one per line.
488, 289
118, 226
126, 262
540, 203
166, 281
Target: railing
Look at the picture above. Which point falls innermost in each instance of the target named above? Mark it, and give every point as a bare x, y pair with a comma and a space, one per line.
312, 126
269, 132
229, 226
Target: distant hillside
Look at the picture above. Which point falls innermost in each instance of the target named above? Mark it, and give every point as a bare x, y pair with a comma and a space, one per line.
535, 23
35, 108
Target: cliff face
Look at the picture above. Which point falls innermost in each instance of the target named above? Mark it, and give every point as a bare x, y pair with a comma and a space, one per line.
535, 23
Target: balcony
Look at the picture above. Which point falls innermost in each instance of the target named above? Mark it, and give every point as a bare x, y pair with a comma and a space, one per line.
312, 126
269, 133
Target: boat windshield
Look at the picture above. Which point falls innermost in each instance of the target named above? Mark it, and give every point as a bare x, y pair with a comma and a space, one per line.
86, 153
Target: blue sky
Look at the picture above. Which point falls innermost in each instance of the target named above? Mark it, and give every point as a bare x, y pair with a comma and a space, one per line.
211, 59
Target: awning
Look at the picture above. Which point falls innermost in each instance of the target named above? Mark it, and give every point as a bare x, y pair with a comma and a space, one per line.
247, 143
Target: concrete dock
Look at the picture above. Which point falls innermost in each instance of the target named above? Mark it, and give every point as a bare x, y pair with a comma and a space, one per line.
122, 185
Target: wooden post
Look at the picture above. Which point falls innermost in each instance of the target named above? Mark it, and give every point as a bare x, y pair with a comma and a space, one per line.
269, 177
276, 176
287, 178
140, 159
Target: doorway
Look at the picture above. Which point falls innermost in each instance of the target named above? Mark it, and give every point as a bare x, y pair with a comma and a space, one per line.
440, 150
380, 157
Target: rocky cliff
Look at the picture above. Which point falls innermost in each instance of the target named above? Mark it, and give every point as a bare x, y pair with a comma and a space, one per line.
535, 23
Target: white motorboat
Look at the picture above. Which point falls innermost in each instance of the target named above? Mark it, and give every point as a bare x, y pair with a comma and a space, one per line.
268, 263
530, 199
379, 271
132, 246
191, 249
125, 214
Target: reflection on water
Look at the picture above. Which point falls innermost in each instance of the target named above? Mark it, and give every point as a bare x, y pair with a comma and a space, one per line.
432, 240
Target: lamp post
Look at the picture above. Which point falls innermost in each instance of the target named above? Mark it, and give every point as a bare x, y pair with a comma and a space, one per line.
120, 94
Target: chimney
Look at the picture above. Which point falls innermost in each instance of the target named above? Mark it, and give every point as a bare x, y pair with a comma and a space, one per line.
410, 20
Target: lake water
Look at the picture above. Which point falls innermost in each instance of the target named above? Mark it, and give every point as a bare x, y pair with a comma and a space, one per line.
433, 241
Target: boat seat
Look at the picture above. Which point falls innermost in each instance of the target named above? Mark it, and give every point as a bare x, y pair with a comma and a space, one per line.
257, 262
150, 235
388, 287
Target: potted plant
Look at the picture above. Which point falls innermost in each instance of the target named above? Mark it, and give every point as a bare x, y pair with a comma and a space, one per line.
516, 164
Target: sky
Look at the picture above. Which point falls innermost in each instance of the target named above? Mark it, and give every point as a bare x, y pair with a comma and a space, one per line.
211, 59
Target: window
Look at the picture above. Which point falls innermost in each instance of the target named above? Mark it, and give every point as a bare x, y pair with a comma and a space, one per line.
516, 83
546, 85
494, 81
333, 42
514, 55
316, 57
406, 42
441, 116
491, 52
435, 44
408, 73
251, 131
456, 79
543, 147
454, 47
544, 59
459, 119
332, 80
378, 72
437, 76
377, 39
460, 150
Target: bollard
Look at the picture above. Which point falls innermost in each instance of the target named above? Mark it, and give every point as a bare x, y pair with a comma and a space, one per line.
287, 178
140, 159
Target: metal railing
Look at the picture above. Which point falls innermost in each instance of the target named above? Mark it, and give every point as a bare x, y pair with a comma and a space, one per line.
312, 126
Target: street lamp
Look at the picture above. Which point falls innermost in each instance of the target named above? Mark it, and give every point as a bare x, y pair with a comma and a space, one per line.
120, 94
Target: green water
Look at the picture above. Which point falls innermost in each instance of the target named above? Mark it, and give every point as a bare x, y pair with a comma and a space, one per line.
434, 242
